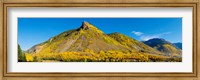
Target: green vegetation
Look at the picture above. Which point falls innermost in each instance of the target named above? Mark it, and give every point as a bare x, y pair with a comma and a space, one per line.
21, 56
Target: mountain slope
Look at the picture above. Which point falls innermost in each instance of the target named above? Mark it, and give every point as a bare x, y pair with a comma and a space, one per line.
132, 44
164, 46
178, 45
83, 38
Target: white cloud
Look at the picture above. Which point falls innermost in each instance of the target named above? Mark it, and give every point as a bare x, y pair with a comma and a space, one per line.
147, 37
137, 33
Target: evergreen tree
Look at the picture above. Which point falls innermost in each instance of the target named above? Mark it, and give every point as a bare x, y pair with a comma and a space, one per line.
21, 55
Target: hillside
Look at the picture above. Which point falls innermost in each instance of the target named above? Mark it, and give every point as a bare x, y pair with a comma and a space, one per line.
132, 44
164, 46
85, 37
178, 45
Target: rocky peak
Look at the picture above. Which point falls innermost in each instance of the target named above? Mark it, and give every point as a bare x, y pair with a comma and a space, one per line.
85, 25
89, 27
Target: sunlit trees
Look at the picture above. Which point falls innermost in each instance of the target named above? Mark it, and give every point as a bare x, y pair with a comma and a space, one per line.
29, 57
102, 56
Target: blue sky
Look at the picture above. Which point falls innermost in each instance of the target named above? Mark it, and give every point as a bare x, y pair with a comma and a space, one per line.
32, 31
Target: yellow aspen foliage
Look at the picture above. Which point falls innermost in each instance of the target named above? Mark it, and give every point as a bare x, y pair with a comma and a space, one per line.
90, 42
110, 56
87, 50
29, 58
81, 31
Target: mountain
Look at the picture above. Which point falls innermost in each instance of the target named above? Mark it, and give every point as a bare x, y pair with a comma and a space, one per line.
132, 44
83, 38
178, 45
164, 46
88, 37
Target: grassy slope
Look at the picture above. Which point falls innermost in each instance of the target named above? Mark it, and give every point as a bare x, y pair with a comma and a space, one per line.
133, 44
80, 40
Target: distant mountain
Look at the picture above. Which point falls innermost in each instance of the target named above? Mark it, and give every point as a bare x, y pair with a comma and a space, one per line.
132, 44
178, 45
164, 46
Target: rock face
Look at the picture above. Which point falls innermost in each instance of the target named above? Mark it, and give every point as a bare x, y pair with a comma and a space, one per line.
89, 37
85, 25
164, 46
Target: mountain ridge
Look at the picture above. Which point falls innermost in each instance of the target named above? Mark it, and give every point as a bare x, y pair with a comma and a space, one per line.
163, 46
132, 43
87, 34
92, 35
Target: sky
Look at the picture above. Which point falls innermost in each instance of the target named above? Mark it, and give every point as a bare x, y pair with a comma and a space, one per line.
32, 31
